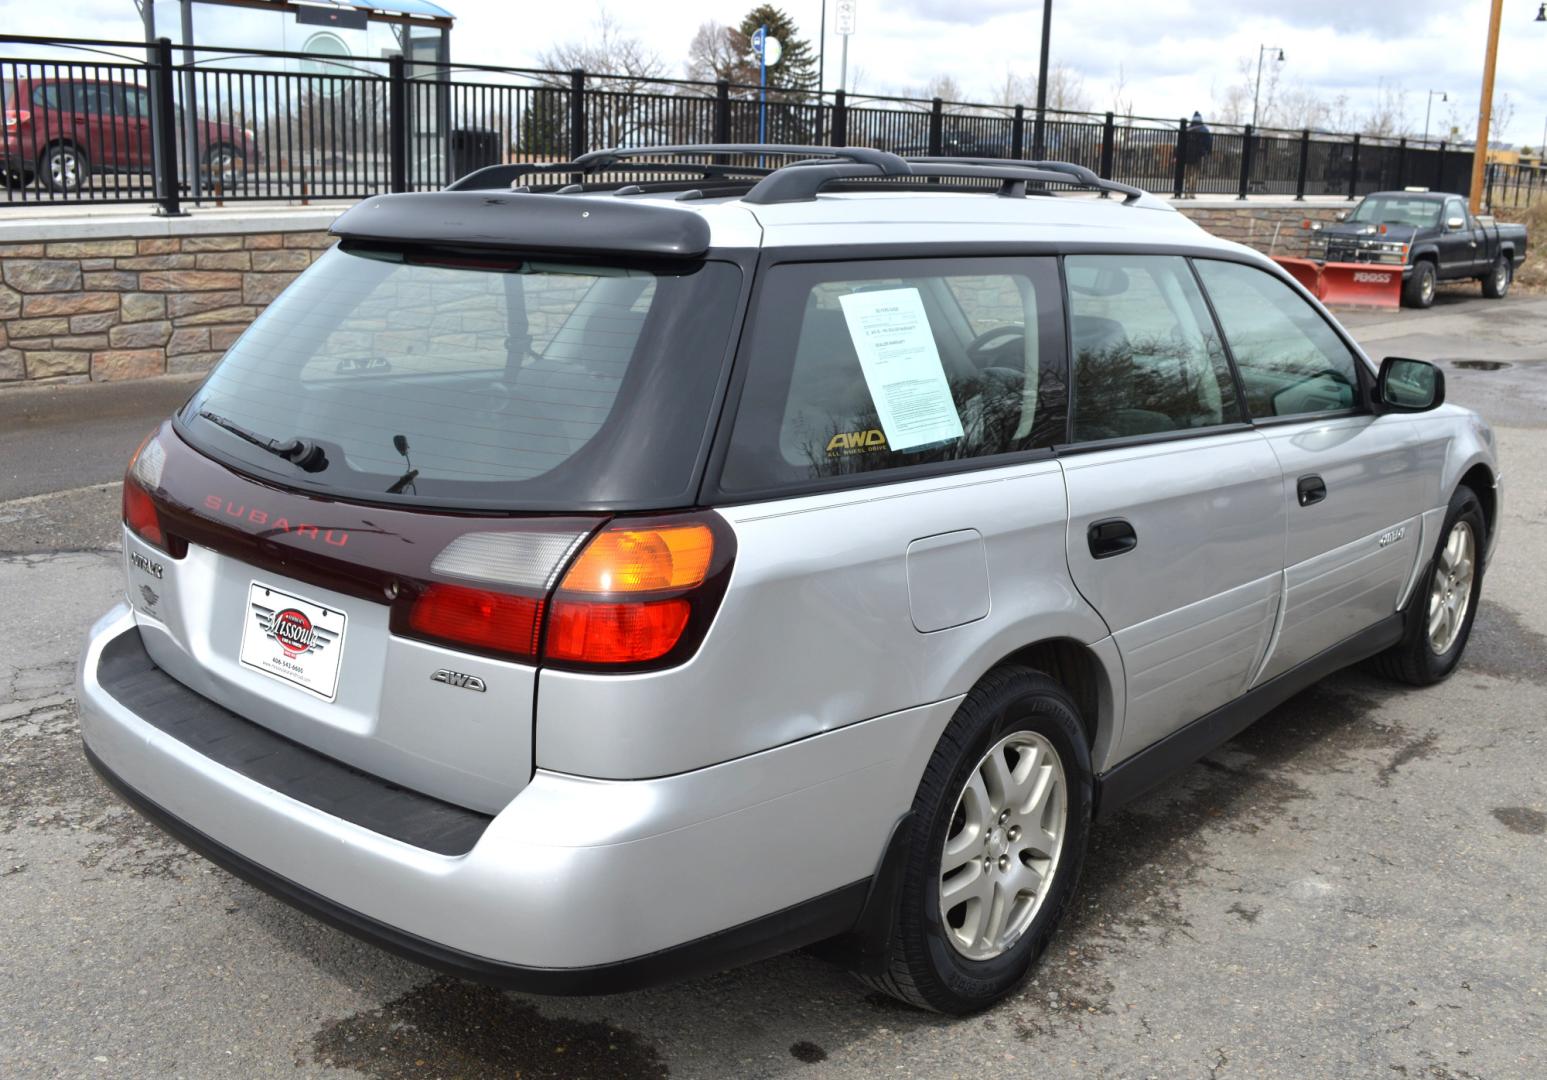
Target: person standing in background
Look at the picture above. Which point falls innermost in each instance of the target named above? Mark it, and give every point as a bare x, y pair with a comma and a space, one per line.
1195, 147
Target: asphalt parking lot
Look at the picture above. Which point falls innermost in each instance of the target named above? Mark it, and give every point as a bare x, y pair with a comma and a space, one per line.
1350, 889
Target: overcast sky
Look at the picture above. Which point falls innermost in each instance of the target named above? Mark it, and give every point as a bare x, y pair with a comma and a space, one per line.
1176, 55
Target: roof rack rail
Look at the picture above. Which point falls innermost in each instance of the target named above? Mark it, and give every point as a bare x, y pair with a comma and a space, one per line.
501, 177
890, 164
815, 168
1077, 175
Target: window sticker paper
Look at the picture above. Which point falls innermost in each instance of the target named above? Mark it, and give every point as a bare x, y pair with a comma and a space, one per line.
902, 367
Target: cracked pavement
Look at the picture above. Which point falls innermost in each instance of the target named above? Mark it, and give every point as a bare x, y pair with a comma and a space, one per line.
1350, 888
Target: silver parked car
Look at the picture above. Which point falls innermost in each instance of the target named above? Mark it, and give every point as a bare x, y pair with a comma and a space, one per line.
582, 588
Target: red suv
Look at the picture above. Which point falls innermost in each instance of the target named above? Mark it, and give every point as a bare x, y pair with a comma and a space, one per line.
63, 130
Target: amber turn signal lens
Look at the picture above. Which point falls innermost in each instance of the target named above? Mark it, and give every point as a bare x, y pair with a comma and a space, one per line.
623, 560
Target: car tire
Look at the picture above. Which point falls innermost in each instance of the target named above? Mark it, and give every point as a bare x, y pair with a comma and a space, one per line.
226, 165
1496, 283
1423, 657
961, 958
63, 168
1418, 289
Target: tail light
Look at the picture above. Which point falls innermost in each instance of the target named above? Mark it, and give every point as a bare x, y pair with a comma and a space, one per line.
631, 596
13, 119
626, 599
141, 480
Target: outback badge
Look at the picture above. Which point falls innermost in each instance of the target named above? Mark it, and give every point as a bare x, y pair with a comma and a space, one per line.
456, 678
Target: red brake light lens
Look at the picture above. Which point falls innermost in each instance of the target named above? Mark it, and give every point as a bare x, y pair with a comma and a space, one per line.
140, 514
141, 478
593, 633
489, 621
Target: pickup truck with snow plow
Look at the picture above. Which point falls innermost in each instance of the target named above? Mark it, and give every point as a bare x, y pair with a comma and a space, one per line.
1432, 236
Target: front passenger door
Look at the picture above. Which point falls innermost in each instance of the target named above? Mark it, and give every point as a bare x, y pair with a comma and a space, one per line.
1457, 247
1353, 483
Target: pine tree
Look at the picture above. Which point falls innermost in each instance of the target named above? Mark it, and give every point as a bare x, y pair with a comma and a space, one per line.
796, 70
543, 125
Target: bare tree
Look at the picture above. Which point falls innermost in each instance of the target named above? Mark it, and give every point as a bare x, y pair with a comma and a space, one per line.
944, 87
1388, 117
712, 55
613, 60
1065, 90
1499, 116
1122, 101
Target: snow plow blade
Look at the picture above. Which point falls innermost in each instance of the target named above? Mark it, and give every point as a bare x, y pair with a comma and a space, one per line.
1360, 285
1306, 271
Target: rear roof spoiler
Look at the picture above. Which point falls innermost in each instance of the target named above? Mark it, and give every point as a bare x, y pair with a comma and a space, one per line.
528, 222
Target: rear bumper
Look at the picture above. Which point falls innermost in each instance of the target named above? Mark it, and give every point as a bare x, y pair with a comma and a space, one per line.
579, 885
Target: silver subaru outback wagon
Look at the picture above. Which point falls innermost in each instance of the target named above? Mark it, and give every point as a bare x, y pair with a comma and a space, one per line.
582, 587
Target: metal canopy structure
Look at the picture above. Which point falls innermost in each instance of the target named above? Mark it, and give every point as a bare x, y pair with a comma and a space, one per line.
431, 45
409, 12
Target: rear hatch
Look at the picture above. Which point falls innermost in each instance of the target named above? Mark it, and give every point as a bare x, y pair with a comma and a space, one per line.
353, 531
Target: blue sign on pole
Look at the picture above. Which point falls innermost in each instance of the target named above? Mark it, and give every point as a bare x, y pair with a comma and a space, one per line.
760, 46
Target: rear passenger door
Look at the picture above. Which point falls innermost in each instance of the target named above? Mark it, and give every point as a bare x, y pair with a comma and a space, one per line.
1176, 512
1353, 483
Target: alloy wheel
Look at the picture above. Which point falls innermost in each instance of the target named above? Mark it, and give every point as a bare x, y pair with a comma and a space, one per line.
1002, 847
1450, 591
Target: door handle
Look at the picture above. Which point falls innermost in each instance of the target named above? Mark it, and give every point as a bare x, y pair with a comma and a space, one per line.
1311, 489
1110, 537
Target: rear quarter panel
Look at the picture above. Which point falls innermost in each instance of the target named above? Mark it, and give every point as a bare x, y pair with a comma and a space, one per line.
817, 630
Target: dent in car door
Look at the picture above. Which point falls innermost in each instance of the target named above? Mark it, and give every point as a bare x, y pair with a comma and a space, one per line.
1177, 541
1192, 604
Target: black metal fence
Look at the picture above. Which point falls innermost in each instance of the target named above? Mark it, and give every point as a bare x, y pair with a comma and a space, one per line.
118, 121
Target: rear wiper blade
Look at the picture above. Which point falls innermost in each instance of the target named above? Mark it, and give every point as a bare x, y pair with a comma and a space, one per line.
299, 452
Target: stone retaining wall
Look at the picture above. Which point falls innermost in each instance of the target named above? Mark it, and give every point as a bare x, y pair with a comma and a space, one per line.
1255, 224
78, 303
101, 309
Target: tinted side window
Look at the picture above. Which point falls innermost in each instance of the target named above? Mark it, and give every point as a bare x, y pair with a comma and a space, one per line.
1290, 360
860, 367
1146, 357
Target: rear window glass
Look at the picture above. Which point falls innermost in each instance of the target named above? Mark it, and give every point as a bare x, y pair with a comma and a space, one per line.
528, 383
865, 367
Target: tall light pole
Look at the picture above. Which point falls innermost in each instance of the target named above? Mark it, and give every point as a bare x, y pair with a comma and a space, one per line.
1444, 97
1485, 106
1257, 94
821, 57
1038, 127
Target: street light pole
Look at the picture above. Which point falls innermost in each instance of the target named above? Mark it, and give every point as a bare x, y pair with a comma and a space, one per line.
1444, 97
1485, 107
821, 58
1038, 128
1257, 94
